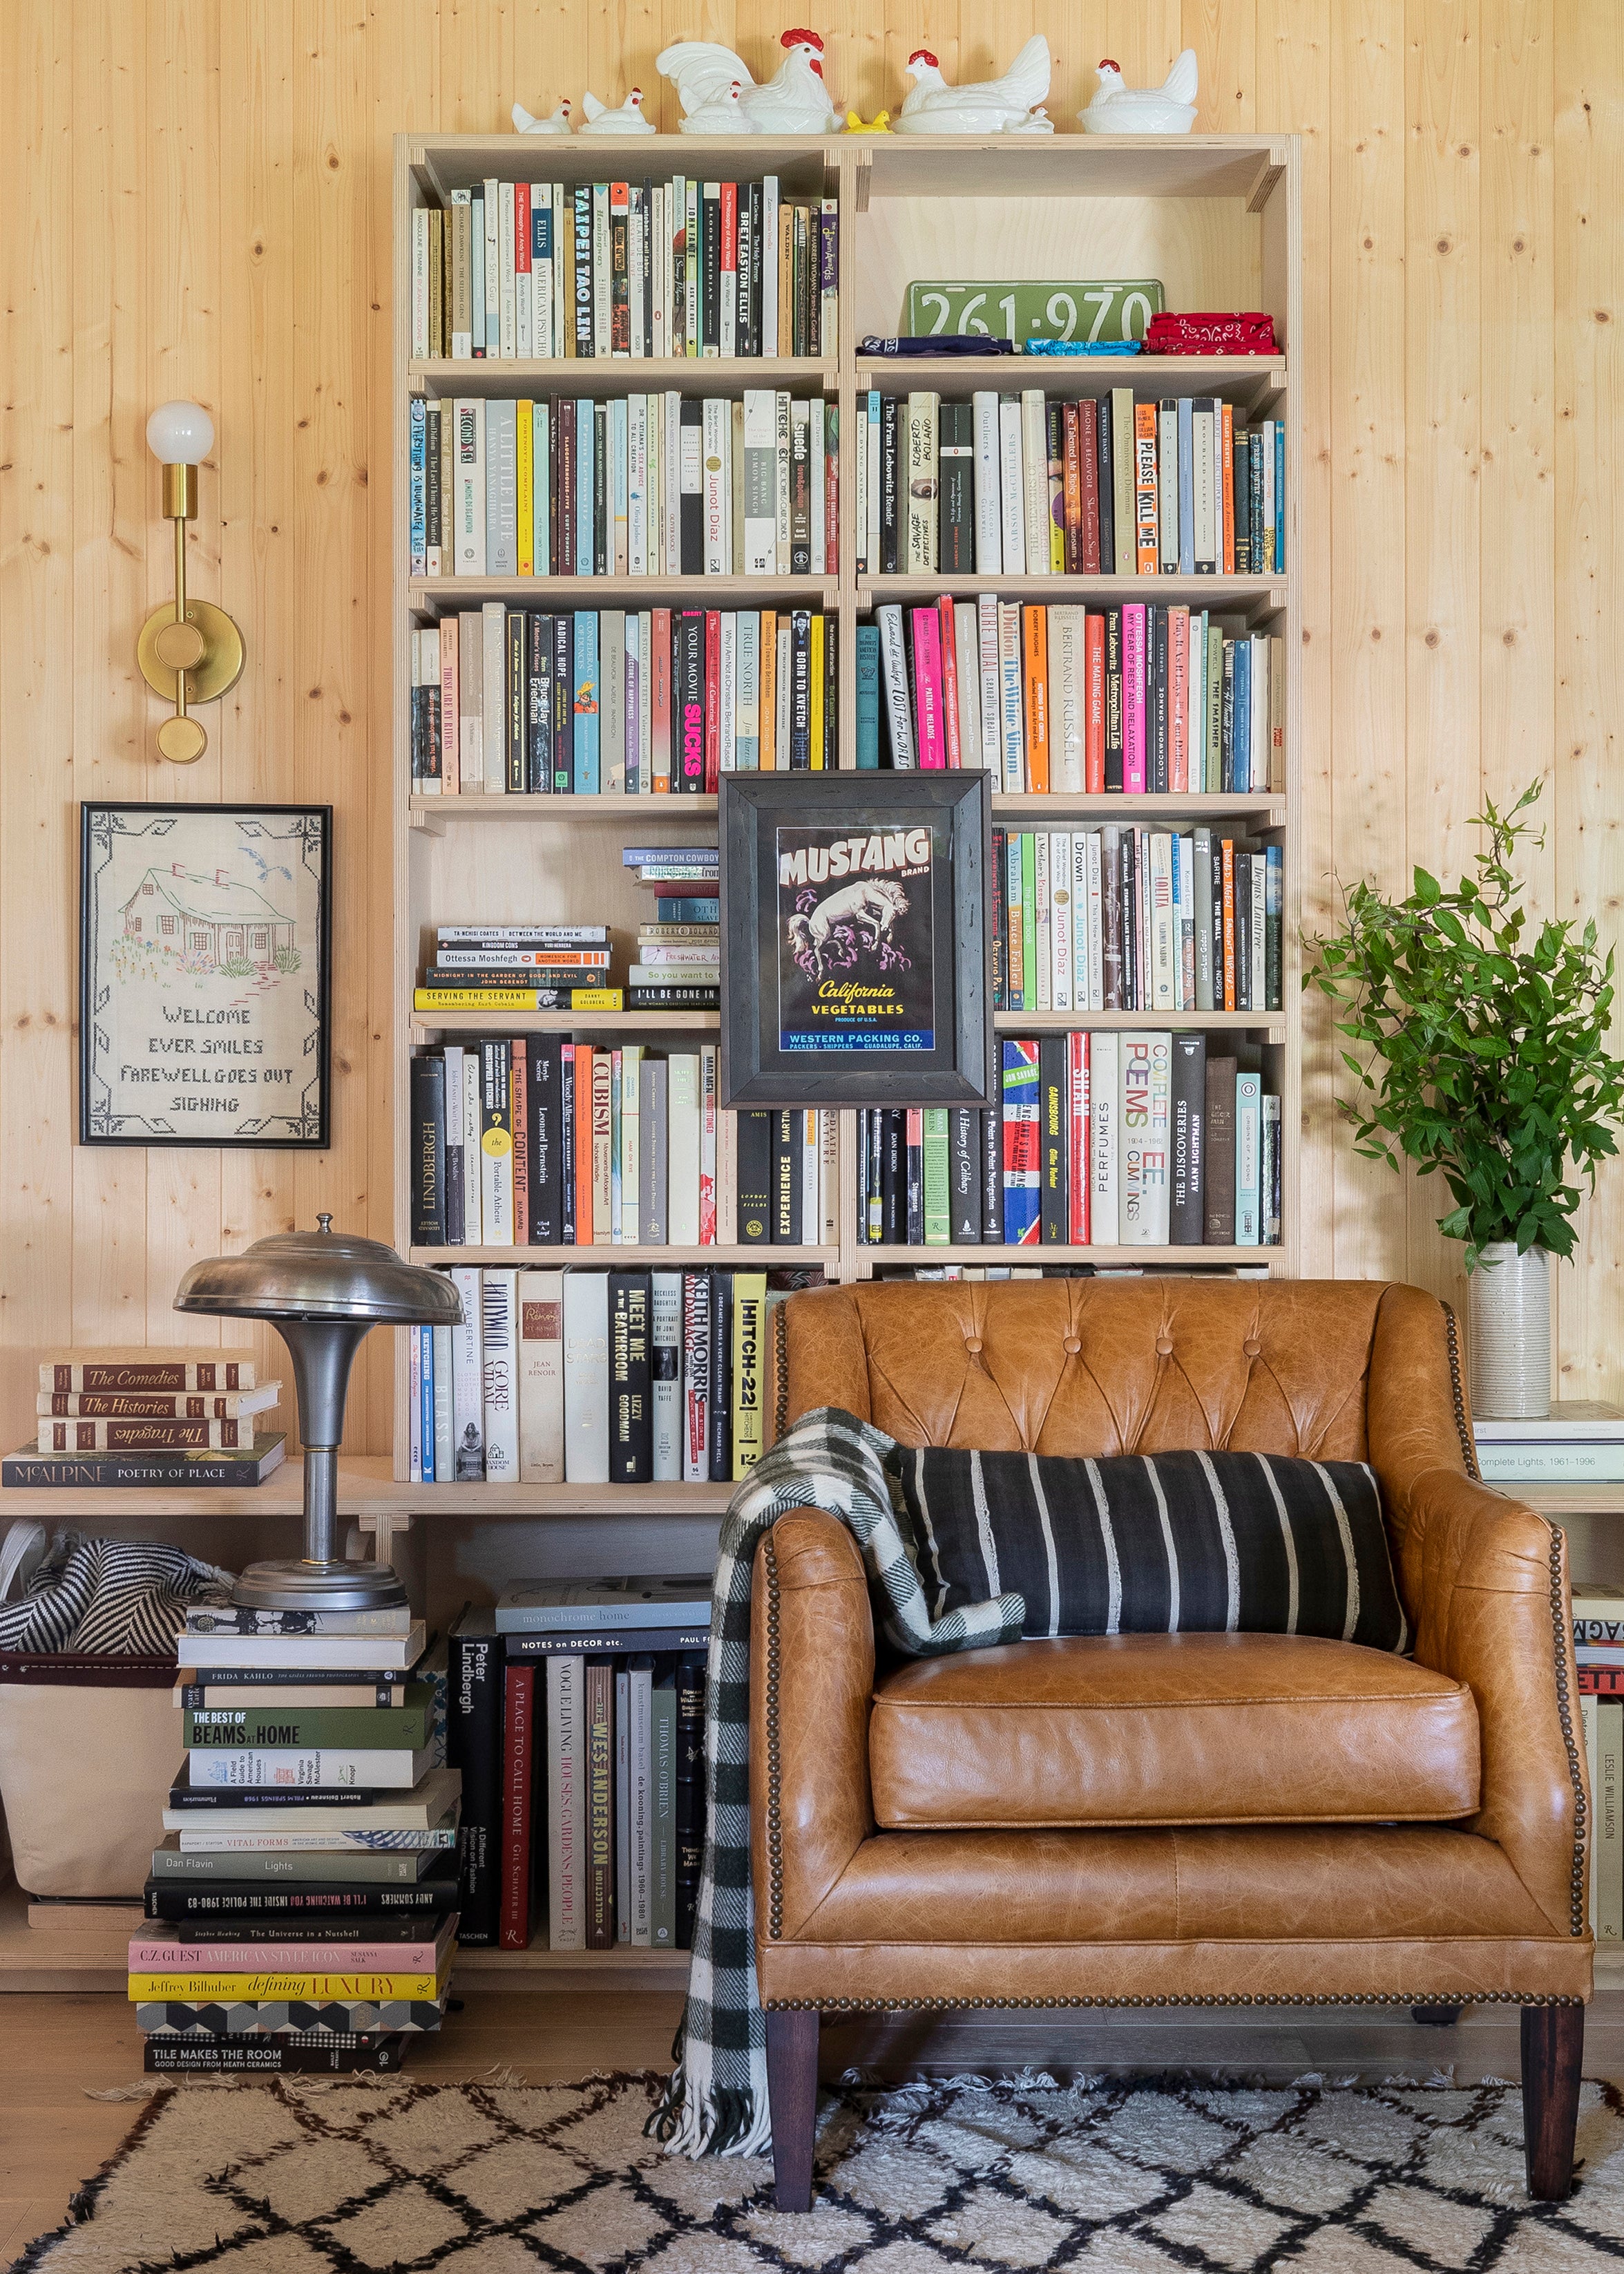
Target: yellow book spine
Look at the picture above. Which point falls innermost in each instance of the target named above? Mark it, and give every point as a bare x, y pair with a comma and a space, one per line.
769, 676
146, 1987
515, 999
525, 462
815, 673
750, 1363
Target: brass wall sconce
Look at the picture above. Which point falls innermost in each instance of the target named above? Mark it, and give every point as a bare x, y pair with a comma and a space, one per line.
192, 652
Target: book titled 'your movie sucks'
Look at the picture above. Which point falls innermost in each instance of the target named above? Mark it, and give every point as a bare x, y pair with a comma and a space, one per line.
856, 962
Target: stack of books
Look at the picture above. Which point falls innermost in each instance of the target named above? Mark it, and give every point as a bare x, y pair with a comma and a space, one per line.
1598, 1645
1104, 1140
594, 269
1023, 487
1579, 1441
149, 1417
542, 1142
632, 485
519, 967
1129, 918
596, 1377
1134, 699
578, 1721
304, 1901
690, 871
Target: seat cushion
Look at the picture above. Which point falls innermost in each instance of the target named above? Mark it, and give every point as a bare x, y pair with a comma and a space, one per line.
1185, 1728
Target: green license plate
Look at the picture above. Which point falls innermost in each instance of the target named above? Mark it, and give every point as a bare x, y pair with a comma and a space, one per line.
1091, 312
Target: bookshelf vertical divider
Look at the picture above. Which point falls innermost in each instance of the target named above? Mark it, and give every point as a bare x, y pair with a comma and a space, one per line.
1216, 217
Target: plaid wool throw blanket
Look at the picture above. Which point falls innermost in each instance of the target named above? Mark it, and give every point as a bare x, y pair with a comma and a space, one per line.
717, 2101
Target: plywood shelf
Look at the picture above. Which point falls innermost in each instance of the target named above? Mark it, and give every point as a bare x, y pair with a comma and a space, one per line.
1246, 378
1269, 1023
578, 375
452, 592
610, 1257
1227, 594
425, 1023
671, 808
674, 810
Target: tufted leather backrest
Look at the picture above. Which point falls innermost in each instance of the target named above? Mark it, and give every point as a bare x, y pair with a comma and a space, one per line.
1093, 1365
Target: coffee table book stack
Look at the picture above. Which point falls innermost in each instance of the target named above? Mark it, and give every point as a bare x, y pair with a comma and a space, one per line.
301, 1907
180, 1420
1216, 219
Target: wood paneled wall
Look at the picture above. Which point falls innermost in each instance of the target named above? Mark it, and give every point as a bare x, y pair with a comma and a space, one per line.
196, 195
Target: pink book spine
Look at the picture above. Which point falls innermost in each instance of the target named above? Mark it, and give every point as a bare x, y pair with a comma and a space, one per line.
950, 680
1178, 698
522, 229
659, 692
1133, 697
1076, 1138
450, 710
928, 690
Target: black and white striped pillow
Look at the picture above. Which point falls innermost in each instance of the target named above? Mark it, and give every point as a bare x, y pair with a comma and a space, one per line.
117, 1595
1165, 1543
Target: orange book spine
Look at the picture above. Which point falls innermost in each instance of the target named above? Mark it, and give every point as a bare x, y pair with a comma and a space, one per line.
1226, 488
1146, 534
1229, 924
1034, 636
1093, 688
583, 1145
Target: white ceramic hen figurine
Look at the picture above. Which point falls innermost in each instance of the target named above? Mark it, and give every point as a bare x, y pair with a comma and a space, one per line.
524, 123
628, 119
719, 115
1168, 108
998, 106
796, 101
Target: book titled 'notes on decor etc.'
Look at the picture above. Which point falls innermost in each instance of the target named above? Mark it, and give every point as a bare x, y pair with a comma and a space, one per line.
144, 1417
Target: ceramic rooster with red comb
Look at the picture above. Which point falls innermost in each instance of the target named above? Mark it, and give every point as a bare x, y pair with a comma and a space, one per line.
795, 101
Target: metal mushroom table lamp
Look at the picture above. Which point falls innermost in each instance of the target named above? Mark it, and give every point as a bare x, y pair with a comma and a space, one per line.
323, 1291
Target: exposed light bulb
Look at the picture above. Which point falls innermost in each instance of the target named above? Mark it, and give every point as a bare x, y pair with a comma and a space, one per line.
180, 434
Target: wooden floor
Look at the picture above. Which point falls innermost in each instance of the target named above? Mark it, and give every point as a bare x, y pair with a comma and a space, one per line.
58, 2048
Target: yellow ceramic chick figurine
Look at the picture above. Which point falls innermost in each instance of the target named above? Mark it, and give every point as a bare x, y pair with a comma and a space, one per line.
879, 125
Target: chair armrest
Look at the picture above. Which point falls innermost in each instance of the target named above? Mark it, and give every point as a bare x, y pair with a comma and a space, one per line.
1486, 1582
811, 1688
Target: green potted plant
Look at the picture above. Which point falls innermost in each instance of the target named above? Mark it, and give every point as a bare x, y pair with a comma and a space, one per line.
1477, 1046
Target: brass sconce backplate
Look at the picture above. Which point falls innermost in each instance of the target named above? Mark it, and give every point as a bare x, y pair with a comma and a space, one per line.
217, 670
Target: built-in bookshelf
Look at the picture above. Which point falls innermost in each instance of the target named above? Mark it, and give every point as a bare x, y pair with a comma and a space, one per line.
1217, 219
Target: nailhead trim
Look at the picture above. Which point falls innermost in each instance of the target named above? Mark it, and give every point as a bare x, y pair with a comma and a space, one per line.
1469, 1450
1272, 1998
780, 1333
775, 1818
1577, 1908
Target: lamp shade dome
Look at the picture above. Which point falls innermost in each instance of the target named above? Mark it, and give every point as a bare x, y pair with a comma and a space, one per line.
320, 1275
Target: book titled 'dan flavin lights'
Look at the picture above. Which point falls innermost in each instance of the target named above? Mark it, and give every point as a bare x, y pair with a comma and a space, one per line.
155, 1418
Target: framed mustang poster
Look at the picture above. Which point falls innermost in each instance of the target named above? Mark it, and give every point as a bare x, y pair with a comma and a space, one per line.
204, 951
853, 917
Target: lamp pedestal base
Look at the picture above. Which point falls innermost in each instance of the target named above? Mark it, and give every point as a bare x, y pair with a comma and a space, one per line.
295, 1584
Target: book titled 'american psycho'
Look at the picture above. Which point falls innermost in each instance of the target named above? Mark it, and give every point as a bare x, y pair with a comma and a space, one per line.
856, 966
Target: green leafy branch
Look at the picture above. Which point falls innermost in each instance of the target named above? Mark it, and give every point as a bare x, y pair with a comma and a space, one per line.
1483, 1053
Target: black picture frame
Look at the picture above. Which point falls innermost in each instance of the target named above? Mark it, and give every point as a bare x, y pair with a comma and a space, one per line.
222, 1012
761, 956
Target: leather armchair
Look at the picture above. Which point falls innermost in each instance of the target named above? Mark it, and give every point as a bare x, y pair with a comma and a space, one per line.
1311, 1823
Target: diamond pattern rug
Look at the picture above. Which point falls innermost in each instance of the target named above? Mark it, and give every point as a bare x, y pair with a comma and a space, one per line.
343, 2176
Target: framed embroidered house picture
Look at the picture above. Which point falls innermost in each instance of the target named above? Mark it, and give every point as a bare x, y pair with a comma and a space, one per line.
204, 939
855, 956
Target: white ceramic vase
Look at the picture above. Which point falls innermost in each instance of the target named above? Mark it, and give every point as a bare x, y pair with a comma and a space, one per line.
1508, 1326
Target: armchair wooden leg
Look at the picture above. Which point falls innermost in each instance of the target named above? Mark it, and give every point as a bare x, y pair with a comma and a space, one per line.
1552, 2054
792, 2081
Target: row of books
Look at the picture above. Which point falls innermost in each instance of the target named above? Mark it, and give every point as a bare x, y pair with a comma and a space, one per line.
632, 485
303, 1902
579, 1729
595, 269
1133, 699
1598, 1647
140, 1417
594, 1377
539, 1141
1020, 485
1104, 1140
1134, 918
618, 701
